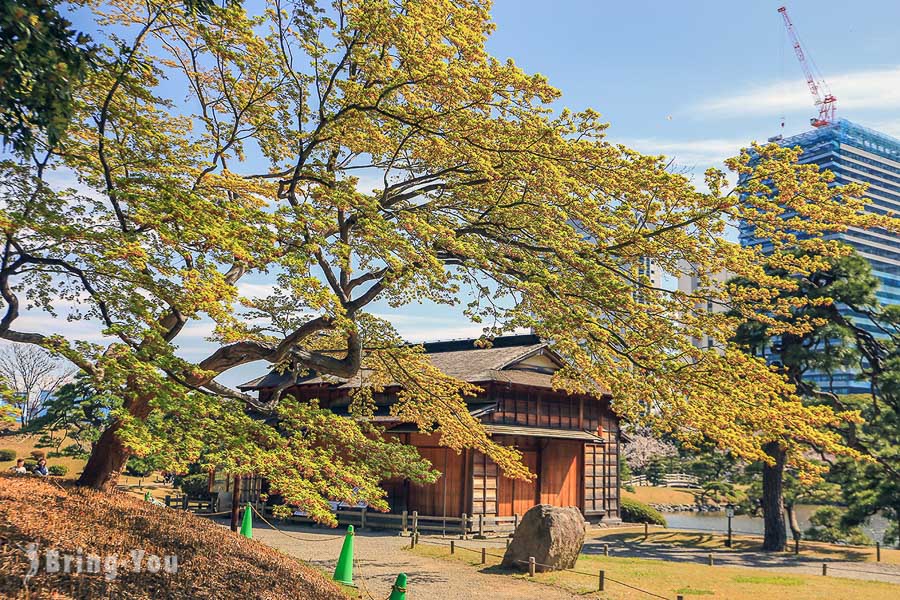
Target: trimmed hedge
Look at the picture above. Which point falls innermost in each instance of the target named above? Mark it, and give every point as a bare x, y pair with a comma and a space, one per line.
58, 470
7, 454
638, 512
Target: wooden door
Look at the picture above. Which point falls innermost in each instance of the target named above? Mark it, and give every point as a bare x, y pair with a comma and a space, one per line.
561, 468
516, 496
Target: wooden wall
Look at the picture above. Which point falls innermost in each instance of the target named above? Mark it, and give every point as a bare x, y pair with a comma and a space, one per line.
558, 464
601, 472
561, 473
447, 496
517, 496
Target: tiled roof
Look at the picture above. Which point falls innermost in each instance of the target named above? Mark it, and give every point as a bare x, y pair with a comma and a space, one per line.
461, 359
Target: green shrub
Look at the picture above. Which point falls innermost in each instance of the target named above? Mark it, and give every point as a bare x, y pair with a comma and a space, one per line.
141, 466
7, 454
195, 486
826, 526
38, 454
58, 470
638, 512
30, 464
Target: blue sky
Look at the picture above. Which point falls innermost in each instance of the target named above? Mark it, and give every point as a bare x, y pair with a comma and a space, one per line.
694, 80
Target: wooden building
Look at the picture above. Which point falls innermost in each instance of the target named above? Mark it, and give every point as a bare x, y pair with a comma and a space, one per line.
571, 442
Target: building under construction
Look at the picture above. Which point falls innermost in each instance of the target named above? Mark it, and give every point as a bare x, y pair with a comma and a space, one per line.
856, 154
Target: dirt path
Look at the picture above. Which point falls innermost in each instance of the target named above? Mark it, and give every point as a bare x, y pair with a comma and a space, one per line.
380, 557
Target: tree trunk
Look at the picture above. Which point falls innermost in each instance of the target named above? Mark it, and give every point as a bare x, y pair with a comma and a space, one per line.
773, 499
109, 454
108, 458
792, 522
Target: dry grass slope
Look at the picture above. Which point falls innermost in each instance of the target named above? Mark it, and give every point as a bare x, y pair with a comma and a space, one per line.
212, 562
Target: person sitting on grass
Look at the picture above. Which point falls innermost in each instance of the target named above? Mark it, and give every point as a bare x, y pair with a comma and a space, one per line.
41, 468
20, 467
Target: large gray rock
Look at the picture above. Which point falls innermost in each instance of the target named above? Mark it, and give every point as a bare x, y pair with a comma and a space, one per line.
553, 535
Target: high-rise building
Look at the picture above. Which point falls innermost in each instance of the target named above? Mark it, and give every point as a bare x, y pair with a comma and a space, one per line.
689, 282
856, 154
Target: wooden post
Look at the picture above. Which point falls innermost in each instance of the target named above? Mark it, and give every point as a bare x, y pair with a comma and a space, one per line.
362, 518
235, 502
463, 524
507, 543
483, 555
824, 569
710, 558
531, 566
416, 537
796, 546
415, 522
646, 529
877, 551
605, 549
412, 541
452, 547
602, 580
480, 535
168, 500
184, 502
403, 518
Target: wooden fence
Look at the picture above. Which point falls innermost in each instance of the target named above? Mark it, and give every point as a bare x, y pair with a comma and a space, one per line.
478, 526
197, 505
669, 480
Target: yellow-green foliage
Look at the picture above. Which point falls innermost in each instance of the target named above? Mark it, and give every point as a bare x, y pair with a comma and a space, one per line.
364, 151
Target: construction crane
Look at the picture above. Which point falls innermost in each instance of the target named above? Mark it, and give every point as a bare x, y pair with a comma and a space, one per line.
826, 102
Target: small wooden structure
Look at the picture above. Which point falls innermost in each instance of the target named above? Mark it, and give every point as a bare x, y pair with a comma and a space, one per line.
571, 442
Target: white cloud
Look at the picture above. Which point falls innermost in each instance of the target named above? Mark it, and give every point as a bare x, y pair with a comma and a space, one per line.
255, 290
871, 89
704, 153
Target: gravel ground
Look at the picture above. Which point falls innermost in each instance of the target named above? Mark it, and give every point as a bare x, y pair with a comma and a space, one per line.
380, 557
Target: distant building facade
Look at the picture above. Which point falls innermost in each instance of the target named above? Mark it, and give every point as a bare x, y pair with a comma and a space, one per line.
856, 154
689, 282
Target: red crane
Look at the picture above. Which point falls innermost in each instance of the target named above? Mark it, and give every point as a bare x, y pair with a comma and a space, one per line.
826, 102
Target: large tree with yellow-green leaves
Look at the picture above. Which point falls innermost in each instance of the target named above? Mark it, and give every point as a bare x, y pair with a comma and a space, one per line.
365, 150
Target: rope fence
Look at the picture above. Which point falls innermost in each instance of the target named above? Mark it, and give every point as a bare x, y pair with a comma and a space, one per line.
293, 535
830, 567
601, 575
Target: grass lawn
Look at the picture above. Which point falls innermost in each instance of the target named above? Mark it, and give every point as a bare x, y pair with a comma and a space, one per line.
670, 579
660, 495
688, 539
24, 444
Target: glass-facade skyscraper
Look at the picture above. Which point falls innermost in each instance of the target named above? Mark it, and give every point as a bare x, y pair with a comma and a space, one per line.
856, 154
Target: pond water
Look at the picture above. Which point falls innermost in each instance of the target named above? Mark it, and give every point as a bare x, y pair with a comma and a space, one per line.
717, 521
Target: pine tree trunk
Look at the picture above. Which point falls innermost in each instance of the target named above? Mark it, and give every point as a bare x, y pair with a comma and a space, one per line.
773, 499
792, 521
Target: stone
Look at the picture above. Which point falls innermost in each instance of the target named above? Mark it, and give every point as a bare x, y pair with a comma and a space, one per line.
553, 535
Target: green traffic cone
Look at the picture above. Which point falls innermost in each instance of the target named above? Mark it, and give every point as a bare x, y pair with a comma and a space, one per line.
343, 572
398, 592
147, 496
247, 524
